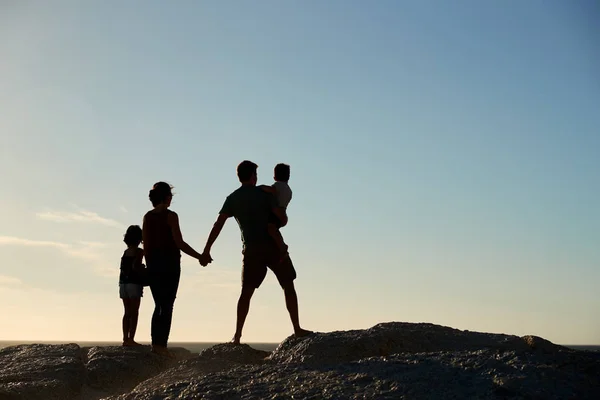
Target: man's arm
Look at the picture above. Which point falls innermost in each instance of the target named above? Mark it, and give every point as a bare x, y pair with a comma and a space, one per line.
215, 231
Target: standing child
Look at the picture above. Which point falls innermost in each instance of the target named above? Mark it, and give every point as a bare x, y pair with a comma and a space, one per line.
130, 283
283, 194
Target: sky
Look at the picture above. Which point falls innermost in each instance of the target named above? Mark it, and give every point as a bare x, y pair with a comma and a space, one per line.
444, 161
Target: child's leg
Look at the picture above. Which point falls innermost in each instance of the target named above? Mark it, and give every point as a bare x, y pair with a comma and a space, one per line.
126, 320
134, 311
276, 235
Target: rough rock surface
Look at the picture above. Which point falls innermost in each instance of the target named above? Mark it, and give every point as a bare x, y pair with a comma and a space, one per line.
388, 361
218, 358
64, 372
391, 338
482, 374
117, 369
41, 372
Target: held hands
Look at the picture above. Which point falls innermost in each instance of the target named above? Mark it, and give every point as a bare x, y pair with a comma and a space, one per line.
205, 259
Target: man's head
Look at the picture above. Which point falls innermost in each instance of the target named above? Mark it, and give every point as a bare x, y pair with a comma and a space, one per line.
281, 173
246, 172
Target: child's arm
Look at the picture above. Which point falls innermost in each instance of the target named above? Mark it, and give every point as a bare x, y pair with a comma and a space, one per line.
268, 189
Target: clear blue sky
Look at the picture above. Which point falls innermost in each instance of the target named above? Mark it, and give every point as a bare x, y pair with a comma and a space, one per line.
444, 160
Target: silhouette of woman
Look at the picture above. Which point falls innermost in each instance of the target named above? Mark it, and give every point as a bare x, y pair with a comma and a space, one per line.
163, 244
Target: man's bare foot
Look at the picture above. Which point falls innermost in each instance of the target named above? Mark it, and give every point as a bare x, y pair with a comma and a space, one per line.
302, 332
236, 339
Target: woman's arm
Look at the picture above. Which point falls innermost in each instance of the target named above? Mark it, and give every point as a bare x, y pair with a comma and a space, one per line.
173, 220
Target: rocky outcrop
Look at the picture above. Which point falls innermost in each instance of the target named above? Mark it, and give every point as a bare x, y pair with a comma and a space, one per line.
482, 374
221, 357
387, 361
64, 372
118, 369
43, 372
393, 338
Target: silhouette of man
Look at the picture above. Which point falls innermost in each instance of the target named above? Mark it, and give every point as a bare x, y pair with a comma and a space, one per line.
251, 207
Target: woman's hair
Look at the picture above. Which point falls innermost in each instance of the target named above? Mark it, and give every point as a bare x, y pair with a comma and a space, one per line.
160, 192
133, 236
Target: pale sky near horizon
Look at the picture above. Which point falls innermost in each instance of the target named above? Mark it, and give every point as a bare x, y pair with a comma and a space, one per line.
444, 160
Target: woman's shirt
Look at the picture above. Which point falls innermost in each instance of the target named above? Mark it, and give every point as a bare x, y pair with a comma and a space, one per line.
159, 244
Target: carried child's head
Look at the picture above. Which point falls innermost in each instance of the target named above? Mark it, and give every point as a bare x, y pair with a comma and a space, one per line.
282, 173
133, 236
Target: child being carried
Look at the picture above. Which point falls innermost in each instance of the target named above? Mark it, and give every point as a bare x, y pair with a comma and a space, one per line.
283, 194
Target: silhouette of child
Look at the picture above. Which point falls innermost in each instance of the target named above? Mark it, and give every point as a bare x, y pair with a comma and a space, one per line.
131, 283
283, 194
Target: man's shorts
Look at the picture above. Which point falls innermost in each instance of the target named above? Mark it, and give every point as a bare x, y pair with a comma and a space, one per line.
259, 257
130, 291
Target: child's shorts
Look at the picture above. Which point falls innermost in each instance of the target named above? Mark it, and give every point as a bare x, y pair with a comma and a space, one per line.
130, 290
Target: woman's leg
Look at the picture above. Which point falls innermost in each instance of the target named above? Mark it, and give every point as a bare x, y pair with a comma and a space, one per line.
156, 288
164, 292
171, 287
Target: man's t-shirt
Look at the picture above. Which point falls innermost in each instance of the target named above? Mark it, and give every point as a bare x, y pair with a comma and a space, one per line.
251, 207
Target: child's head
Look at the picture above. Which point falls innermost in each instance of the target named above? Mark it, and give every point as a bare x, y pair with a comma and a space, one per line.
133, 236
282, 172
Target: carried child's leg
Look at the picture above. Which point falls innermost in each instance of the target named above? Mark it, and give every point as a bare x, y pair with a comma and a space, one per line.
276, 235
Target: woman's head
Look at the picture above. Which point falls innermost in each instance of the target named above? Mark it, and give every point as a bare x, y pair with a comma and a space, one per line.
161, 194
133, 236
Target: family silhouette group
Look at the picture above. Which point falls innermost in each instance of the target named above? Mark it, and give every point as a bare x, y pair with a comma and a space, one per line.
260, 212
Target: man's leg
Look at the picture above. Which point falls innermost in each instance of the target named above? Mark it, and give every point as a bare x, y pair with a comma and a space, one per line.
285, 273
254, 270
291, 302
243, 307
